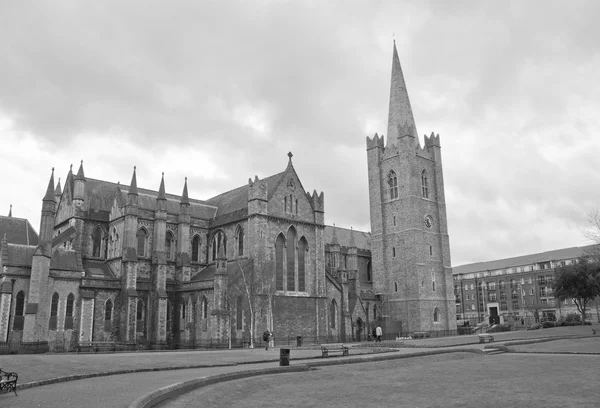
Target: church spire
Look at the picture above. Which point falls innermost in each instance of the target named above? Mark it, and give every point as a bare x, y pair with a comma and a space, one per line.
334, 238
161, 189
10, 211
400, 113
184, 196
133, 190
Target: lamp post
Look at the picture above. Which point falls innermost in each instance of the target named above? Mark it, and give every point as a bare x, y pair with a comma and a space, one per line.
522, 301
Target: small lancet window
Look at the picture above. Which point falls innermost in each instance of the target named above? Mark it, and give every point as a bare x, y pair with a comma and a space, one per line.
424, 185
96, 242
393, 184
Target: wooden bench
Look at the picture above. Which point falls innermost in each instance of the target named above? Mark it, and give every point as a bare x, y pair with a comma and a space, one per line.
485, 338
420, 335
8, 381
96, 346
333, 348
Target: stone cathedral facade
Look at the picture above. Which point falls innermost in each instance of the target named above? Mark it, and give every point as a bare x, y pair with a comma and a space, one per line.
122, 263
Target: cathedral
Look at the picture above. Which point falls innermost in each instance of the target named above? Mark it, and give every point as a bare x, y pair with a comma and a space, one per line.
132, 265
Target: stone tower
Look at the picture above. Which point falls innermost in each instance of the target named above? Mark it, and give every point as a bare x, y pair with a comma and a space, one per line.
410, 248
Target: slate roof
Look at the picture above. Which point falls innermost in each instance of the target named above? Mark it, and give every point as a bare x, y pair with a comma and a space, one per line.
65, 260
555, 255
362, 239
237, 199
99, 196
18, 231
19, 255
208, 273
97, 269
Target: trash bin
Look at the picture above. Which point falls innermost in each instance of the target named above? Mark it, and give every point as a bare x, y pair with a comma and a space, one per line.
299, 341
284, 357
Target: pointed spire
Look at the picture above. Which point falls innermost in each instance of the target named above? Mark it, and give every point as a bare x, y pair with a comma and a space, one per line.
80, 175
10, 215
50, 190
400, 112
184, 196
161, 189
352, 243
133, 186
334, 238
58, 190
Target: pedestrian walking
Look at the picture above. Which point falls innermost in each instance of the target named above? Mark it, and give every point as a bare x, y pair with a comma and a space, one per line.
267, 337
379, 333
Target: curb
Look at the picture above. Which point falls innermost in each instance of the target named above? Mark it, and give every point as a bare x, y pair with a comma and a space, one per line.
162, 394
154, 398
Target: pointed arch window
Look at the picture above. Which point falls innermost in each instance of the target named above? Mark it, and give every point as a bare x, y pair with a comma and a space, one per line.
436, 315
140, 315
169, 246
142, 239
53, 312
369, 272
433, 281
196, 249
279, 256
302, 255
108, 309
19, 311
239, 313
424, 186
240, 241
204, 307
219, 240
285, 204
333, 313
97, 242
393, 184
291, 258
69, 312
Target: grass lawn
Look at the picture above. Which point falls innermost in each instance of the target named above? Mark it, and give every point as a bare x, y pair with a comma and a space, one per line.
449, 380
584, 345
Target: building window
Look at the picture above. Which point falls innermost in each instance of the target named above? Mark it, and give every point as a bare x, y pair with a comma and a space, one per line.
96, 242
503, 306
395, 286
393, 184
531, 292
204, 306
302, 254
140, 315
279, 258
492, 296
53, 312
472, 287
19, 311
369, 272
393, 252
240, 241
296, 207
515, 304
239, 317
142, 237
219, 240
169, 247
430, 250
69, 312
433, 281
436, 315
333, 313
394, 220
502, 285
108, 308
291, 258
424, 186
285, 204
196, 249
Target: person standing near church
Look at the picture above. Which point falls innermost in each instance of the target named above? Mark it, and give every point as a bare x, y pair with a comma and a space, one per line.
378, 333
267, 338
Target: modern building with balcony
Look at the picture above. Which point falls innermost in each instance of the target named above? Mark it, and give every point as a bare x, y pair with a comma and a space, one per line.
515, 290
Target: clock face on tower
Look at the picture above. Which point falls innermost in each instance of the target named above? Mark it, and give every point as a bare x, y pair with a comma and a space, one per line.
428, 221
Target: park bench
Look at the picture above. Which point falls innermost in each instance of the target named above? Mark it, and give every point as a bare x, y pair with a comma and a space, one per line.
420, 335
485, 338
333, 348
8, 382
96, 346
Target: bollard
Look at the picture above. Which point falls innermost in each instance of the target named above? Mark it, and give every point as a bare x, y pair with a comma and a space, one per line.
284, 357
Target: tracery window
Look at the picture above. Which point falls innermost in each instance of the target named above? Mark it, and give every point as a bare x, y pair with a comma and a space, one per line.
424, 186
53, 312
96, 242
69, 312
169, 247
142, 238
196, 249
393, 185
19, 311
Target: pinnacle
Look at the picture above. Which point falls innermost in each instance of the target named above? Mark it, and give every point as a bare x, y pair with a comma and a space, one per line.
133, 186
161, 189
184, 196
10, 215
50, 190
58, 190
334, 238
80, 174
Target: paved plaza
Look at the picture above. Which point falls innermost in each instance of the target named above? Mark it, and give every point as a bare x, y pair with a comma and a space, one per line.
96, 389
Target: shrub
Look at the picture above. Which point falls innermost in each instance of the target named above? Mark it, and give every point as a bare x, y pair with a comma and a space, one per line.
548, 324
535, 326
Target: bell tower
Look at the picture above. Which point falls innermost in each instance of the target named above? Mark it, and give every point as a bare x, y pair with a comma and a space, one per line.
410, 243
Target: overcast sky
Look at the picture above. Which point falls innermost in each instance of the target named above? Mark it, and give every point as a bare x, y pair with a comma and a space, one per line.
220, 91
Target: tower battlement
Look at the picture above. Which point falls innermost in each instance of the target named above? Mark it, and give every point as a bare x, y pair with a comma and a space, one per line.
433, 140
376, 141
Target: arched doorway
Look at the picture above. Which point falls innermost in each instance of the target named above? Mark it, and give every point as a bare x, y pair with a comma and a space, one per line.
359, 329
